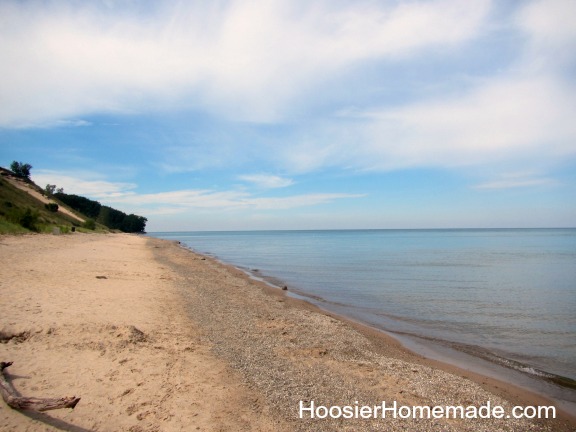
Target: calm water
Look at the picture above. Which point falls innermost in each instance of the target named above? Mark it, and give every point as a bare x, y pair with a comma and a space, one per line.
503, 294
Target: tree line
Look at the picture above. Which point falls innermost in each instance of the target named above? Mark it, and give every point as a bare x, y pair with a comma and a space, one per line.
108, 216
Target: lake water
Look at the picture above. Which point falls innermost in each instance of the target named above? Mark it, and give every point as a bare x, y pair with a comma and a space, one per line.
506, 295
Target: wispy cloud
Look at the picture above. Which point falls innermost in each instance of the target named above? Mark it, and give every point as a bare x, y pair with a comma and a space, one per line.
72, 123
241, 59
185, 200
526, 118
517, 180
519, 115
50, 124
84, 183
181, 201
267, 181
295, 201
549, 25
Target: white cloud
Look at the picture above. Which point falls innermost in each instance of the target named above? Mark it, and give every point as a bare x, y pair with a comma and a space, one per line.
50, 124
261, 60
85, 184
267, 181
517, 180
521, 116
179, 201
185, 200
245, 59
499, 120
514, 120
295, 201
549, 22
73, 123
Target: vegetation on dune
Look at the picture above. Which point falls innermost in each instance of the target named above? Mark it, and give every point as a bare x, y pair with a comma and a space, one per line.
7, 227
21, 170
21, 212
90, 224
108, 216
53, 207
83, 205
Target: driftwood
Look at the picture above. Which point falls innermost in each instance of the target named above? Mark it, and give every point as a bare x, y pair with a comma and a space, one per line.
29, 403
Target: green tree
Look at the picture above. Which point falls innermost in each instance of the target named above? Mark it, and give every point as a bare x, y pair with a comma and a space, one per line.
134, 224
49, 190
116, 219
21, 170
111, 217
84, 205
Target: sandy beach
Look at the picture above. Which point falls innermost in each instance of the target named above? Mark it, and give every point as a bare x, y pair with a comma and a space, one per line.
153, 337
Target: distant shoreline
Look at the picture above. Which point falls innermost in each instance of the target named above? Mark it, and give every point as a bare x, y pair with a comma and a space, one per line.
156, 233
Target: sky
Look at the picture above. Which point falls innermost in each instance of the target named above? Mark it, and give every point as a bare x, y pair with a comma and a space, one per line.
293, 114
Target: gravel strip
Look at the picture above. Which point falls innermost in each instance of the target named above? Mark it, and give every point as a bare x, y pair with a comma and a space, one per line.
290, 354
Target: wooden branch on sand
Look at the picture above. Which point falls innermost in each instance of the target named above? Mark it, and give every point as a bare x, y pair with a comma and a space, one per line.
26, 403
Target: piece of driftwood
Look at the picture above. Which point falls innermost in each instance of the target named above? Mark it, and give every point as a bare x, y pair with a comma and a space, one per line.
30, 403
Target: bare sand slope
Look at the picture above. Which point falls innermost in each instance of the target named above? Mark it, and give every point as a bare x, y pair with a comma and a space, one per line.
31, 191
95, 316
156, 338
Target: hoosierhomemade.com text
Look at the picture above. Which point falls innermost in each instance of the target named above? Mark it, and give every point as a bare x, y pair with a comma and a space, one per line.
393, 410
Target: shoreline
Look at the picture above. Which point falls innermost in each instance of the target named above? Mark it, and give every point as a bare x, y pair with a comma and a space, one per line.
455, 355
448, 358
273, 287
153, 336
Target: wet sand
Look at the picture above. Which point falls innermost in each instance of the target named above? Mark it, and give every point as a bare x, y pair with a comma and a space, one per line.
153, 337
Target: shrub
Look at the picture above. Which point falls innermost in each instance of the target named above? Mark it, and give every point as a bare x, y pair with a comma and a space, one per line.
53, 207
25, 218
89, 224
21, 170
29, 220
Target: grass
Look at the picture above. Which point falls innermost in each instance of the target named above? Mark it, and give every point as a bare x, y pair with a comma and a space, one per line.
7, 227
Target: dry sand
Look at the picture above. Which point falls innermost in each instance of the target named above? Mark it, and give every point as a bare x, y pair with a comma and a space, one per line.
155, 338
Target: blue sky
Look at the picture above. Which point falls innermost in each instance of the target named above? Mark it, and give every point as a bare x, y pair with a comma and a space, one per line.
289, 114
